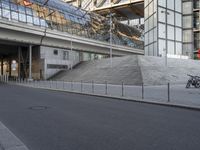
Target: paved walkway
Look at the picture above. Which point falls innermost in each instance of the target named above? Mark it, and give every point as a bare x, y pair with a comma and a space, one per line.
177, 94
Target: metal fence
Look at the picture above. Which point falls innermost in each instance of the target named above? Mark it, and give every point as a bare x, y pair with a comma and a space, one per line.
169, 93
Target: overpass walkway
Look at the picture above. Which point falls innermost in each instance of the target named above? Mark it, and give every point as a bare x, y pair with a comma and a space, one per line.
57, 24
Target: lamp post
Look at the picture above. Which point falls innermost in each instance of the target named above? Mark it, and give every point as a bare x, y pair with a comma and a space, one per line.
111, 24
166, 13
71, 51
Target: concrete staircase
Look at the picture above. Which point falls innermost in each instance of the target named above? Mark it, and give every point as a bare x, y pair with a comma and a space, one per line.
132, 70
124, 69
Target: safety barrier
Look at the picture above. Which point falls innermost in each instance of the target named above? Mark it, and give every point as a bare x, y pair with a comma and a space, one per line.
4, 78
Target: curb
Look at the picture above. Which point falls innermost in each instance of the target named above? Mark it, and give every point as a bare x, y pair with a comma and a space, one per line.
145, 101
8, 141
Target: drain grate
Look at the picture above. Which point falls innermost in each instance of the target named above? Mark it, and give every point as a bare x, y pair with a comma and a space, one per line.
38, 107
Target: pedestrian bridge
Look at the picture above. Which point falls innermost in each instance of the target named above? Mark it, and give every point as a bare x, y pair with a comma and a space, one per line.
29, 23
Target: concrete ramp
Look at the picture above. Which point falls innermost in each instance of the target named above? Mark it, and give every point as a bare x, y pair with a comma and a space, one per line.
132, 70
155, 72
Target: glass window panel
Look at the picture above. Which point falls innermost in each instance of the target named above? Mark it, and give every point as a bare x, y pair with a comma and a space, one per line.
187, 49
170, 4
178, 20
162, 3
155, 34
146, 12
6, 13
155, 19
5, 5
161, 14
178, 6
21, 9
151, 25
151, 36
178, 48
14, 15
187, 22
14, 7
170, 17
22, 17
35, 13
187, 7
29, 11
162, 30
36, 21
146, 50
151, 50
178, 34
155, 49
155, 6
146, 25
67, 16
146, 2
162, 47
170, 45
146, 38
29, 19
0, 13
187, 35
170, 32
151, 8
43, 22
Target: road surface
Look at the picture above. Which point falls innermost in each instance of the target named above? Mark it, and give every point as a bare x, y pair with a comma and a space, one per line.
46, 120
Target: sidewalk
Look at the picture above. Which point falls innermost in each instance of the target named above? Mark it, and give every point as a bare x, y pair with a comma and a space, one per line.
8, 141
177, 95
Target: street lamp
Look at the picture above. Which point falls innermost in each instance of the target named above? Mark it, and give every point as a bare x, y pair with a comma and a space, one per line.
166, 13
111, 24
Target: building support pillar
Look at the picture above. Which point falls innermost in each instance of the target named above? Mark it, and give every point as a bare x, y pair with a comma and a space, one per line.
30, 62
2, 66
10, 67
19, 62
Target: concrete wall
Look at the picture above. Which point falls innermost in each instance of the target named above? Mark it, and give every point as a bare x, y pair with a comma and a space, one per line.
53, 60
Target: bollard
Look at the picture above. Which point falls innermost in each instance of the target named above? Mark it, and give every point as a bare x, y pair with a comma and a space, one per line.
92, 86
122, 89
63, 85
71, 85
168, 91
142, 90
81, 86
56, 84
106, 87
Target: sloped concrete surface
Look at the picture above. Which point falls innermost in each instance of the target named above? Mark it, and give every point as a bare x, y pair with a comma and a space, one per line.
155, 72
124, 69
133, 70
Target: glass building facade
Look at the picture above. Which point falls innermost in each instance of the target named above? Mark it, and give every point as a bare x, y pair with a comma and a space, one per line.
163, 27
191, 27
196, 23
60, 16
188, 27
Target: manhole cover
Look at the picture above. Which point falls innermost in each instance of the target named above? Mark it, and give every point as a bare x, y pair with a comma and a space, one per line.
38, 107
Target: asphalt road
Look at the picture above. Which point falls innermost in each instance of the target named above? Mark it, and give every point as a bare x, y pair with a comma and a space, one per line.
76, 122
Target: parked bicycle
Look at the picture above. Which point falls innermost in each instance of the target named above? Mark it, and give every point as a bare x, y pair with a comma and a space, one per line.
193, 81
